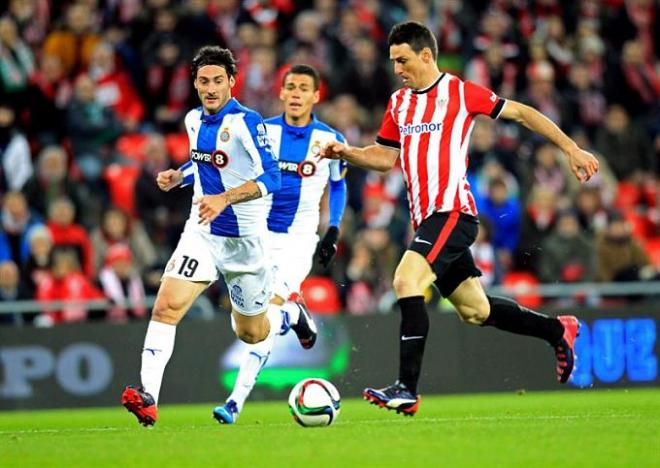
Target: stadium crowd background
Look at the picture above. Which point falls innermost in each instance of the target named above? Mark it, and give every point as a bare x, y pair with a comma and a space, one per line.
94, 93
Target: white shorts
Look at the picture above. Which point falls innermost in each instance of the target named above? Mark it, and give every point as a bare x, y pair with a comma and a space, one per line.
291, 260
202, 257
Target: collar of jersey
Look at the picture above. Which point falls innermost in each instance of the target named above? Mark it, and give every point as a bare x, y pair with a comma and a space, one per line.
426, 90
218, 116
299, 131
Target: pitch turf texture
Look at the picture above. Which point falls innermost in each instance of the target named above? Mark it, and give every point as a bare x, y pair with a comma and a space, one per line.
572, 428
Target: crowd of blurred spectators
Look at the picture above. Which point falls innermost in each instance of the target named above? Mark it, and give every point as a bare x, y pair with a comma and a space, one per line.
93, 93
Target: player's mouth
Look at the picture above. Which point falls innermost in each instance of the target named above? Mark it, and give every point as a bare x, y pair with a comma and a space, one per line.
295, 105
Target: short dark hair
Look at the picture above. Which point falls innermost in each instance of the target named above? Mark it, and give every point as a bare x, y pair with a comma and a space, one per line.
214, 55
303, 69
416, 35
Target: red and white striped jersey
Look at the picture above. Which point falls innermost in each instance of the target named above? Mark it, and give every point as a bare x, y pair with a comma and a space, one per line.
432, 129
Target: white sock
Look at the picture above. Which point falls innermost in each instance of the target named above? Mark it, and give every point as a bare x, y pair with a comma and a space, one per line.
158, 347
279, 320
293, 310
252, 362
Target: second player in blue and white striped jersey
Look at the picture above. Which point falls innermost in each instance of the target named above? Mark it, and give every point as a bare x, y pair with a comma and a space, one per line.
293, 218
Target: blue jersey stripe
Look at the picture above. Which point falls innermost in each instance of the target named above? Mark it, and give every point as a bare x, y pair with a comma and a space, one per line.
211, 179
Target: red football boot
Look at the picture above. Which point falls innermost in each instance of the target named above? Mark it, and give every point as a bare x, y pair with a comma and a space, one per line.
564, 350
141, 404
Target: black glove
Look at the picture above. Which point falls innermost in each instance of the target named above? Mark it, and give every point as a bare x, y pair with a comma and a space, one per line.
328, 246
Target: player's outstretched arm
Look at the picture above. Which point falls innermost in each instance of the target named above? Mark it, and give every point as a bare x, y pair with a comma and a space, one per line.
374, 157
210, 206
169, 179
582, 163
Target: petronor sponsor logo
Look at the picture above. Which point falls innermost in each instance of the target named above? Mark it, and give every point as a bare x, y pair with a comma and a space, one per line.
425, 127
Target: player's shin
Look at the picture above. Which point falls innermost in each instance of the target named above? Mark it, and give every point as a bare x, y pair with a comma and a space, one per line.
157, 350
252, 361
279, 320
414, 330
510, 316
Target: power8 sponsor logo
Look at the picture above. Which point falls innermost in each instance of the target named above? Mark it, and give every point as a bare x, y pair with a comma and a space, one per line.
218, 158
303, 168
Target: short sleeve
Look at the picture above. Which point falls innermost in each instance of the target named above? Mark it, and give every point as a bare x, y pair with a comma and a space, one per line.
480, 100
388, 135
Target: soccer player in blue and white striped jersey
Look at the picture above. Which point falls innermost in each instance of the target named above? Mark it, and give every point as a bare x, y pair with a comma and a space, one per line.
232, 168
296, 137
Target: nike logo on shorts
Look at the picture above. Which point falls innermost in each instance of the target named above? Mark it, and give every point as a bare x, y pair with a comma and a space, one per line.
421, 241
406, 338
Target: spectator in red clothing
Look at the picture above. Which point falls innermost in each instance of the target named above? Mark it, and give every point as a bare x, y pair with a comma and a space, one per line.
114, 88
68, 234
65, 282
121, 282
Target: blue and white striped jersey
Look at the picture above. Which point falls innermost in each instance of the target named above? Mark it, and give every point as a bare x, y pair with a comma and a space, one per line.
226, 150
295, 207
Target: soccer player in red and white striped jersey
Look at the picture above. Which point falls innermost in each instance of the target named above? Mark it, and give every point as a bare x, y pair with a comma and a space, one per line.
427, 127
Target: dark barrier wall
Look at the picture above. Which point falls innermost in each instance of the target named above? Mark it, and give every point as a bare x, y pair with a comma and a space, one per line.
88, 365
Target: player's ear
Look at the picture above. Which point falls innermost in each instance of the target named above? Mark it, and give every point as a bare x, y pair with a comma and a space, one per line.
232, 81
282, 98
427, 55
317, 96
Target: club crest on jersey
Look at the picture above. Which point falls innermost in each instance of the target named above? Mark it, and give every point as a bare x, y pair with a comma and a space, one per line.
218, 158
224, 135
316, 148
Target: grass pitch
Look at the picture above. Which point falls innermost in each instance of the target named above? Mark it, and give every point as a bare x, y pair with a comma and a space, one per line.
571, 428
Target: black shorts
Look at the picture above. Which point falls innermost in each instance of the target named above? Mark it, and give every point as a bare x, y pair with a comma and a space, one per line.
444, 239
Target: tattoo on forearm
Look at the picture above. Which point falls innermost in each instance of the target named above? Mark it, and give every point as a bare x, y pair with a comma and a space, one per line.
246, 192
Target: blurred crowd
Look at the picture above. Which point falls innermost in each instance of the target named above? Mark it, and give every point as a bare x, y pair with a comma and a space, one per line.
93, 94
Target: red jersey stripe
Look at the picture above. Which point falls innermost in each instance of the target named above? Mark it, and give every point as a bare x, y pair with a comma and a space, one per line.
440, 242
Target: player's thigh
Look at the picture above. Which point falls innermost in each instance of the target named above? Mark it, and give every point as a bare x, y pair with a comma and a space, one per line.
174, 299
470, 301
290, 261
413, 275
246, 270
195, 257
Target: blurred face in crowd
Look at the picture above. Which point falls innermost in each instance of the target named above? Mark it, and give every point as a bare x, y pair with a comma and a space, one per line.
567, 226
8, 34
588, 201
483, 137
8, 275
78, 18
64, 263
616, 119
299, 96
103, 60
546, 156
15, 209
41, 245
115, 224
618, 230
85, 89
579, 76
51, 67
498, 192
62, 212
213, 87
52, 164
416, 70
633, 53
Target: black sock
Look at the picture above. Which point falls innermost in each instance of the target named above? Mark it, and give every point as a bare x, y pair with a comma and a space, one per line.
414, 329
508, 315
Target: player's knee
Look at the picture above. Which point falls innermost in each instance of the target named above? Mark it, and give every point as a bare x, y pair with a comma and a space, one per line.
403, 286
251, 333
474, 314
166, 310
249, 336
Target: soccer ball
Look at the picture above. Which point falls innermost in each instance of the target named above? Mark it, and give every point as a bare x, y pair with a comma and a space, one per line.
314, 402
